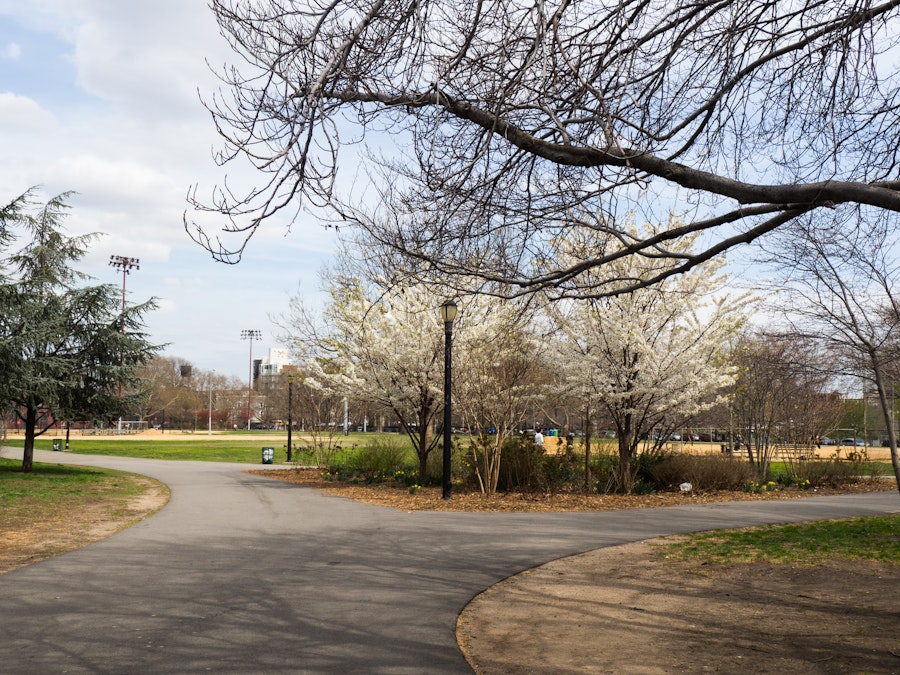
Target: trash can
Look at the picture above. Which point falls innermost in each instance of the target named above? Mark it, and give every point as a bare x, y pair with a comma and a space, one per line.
268, 454
57, 445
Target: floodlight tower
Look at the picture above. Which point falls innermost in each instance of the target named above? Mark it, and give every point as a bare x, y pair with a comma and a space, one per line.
250, 334
125, 264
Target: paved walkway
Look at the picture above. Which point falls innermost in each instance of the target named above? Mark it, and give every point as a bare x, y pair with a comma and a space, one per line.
240, 574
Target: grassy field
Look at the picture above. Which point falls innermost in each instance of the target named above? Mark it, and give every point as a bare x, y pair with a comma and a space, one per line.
53, 489
874, 538
246, 447
241, 448
53, 484
226, 449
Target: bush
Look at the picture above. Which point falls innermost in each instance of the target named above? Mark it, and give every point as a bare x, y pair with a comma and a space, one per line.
377, 461
524, 467
521, 465
605, 471
703, 472
826, 473
378, 456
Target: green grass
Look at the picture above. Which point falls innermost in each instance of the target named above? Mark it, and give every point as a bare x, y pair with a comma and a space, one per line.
868, 468
872, 538
244, 449
226, 450
54, 488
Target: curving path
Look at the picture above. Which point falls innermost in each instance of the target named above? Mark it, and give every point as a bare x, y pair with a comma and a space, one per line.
240, 574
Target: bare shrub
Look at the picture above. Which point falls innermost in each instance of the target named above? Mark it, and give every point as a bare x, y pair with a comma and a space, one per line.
702, 472
827, 473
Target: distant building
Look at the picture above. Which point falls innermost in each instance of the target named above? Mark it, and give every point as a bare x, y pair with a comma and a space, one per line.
274, 362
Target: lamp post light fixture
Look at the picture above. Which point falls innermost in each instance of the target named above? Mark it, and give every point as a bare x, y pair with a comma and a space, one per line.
448, 314
251, 335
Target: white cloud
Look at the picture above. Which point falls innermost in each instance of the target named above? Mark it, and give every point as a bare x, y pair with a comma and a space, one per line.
119, 122
20, 113
147, 58
11, 52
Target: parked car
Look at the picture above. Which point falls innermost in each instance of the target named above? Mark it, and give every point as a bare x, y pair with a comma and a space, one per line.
852, 441
824, 440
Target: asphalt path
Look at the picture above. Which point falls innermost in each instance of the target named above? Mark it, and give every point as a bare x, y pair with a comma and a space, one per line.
242, 574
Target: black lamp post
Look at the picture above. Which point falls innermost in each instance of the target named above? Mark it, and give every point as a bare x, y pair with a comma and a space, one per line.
448, 314
290, 414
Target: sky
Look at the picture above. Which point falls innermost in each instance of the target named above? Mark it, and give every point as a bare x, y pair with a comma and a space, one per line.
102, 97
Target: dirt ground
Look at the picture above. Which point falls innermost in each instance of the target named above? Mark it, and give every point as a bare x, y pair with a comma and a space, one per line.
23, 543
621, 610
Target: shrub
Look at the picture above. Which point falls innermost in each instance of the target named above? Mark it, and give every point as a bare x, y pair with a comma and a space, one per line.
378, 456
524, 467
563, 473
827, 473
521, 465
703, 472
604, 470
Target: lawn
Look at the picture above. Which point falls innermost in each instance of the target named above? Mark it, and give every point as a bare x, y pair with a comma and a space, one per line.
239, 448
58, 508
874, 538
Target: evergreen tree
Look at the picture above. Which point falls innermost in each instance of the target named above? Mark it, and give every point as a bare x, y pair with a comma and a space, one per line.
67, 349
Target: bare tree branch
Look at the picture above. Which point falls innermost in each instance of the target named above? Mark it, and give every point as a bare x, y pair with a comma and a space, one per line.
498, 120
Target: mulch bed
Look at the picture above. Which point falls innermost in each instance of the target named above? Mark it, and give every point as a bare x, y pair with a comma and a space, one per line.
396, 495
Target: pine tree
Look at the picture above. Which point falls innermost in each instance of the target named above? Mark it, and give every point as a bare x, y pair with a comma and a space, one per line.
67, 349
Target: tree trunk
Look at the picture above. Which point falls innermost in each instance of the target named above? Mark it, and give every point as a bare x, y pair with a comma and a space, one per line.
888, 423
424, 450
588, 488
626, 450
626, 480
422, 439
28, 450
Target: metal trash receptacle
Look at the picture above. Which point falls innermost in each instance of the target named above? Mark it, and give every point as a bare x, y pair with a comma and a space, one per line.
268, 455
57, 445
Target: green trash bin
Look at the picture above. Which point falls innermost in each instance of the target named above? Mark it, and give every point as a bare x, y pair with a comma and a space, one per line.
268, 455
57, 445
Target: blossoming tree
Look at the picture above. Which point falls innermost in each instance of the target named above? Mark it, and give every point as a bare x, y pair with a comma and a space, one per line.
652, 358
381, 346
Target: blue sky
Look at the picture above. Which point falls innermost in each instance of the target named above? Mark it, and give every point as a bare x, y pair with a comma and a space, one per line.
101, 97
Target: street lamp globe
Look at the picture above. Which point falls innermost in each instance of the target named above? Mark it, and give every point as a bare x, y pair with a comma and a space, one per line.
448, 311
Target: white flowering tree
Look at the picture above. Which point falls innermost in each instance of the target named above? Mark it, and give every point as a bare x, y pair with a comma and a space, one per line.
653, 358
381, 346
498, 378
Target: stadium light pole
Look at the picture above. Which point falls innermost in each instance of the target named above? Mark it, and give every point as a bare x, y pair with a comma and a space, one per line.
250, 334
126, 264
